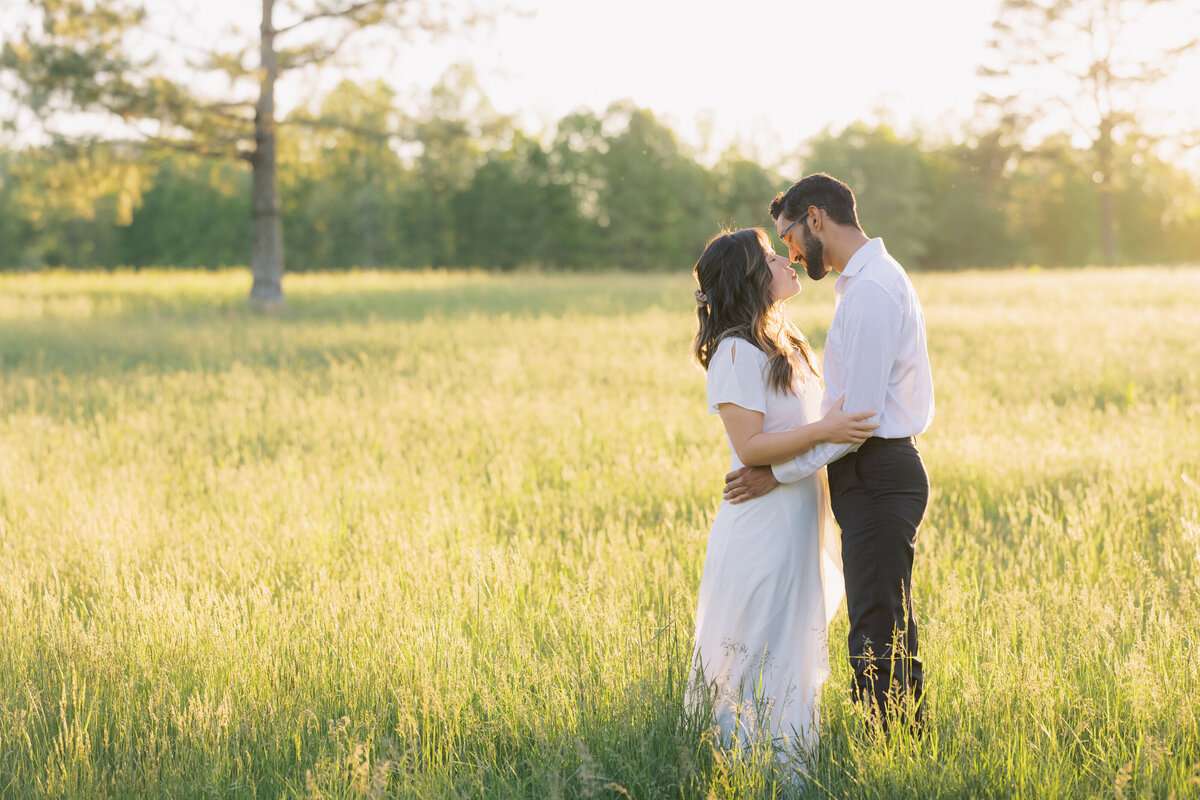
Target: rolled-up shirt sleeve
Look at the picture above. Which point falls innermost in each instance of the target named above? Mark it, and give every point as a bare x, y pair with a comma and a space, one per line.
810, 461
870, 334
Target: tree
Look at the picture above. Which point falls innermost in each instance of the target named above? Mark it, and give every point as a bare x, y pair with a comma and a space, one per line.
655, 203
574, 163
196, 214
1084, 64
66, 199
337, 184
454, 135
78, 56
742, 190
890, 177
971, 205
506, 211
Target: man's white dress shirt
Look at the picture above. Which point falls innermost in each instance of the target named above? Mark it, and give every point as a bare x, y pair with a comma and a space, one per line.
875, 354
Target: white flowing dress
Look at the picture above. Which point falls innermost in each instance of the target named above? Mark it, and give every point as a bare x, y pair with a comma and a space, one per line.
772, 578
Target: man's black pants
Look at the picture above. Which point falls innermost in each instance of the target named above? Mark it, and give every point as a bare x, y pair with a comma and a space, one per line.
879, 494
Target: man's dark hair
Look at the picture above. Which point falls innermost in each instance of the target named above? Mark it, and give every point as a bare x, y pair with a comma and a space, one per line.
820, 190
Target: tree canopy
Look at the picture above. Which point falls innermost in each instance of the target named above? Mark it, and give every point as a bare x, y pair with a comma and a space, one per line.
457, 185
195, 179
1084, 65
78, 58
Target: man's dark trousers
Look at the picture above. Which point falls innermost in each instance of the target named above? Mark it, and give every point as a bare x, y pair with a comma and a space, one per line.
879, 494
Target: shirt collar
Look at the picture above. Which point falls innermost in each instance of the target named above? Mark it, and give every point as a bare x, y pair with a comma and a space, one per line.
862, 255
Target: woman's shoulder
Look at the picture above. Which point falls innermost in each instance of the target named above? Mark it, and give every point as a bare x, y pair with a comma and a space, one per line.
733, 347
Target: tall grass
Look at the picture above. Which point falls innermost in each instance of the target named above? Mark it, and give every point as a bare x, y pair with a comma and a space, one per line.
440, 535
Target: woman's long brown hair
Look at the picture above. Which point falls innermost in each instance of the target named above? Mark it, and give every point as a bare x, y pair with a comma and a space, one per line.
736, 281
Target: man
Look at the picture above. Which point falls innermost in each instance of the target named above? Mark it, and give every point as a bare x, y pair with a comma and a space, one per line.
876, 356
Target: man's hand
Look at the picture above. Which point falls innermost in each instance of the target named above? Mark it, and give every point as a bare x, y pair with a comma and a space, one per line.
747, 483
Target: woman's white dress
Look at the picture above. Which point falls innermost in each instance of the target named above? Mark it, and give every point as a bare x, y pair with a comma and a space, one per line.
772, 578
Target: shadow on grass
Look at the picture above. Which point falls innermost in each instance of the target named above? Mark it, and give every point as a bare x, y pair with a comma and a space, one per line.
535, 297
378, 296
118, 332
113, 331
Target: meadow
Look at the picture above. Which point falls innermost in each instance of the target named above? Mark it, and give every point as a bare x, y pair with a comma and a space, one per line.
440, 535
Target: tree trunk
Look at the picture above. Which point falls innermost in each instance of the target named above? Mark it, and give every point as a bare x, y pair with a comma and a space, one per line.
266, 256
1108, 211
1108, 223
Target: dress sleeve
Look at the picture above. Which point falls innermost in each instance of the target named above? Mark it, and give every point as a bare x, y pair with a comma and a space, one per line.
736, 374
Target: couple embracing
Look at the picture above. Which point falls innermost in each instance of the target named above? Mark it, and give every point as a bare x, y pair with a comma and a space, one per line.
773, 573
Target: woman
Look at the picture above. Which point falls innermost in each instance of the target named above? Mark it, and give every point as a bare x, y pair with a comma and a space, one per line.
772, 575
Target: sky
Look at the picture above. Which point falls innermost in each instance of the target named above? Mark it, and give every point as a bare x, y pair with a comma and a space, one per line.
762, 74
766, 74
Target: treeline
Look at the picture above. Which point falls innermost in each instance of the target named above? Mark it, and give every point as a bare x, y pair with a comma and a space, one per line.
458, 185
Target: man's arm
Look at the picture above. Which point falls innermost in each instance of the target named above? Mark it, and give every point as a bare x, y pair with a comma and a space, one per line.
808, 462
747, 483
754, 446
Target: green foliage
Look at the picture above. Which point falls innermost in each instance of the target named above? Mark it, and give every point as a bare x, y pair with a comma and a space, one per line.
103, 65
339, 178
654, 205
891, 182
515, 211
439, 535
14, 231
1056, 186
73, 58
742, 190
971, 206
197, 214
1087, 63
1158, 206
457, 185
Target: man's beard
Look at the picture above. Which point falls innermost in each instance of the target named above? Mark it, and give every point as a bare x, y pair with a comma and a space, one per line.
814, 256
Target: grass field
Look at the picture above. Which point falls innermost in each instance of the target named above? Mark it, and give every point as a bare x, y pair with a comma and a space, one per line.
440, 535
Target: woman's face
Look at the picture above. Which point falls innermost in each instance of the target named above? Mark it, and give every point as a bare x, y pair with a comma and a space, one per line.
784, 282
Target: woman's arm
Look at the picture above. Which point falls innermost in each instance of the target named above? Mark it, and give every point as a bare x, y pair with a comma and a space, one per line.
757, 449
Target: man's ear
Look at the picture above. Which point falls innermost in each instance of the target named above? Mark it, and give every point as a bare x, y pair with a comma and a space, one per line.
816, 219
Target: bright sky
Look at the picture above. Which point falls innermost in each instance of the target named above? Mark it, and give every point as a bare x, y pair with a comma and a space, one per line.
766, 74
770, 73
